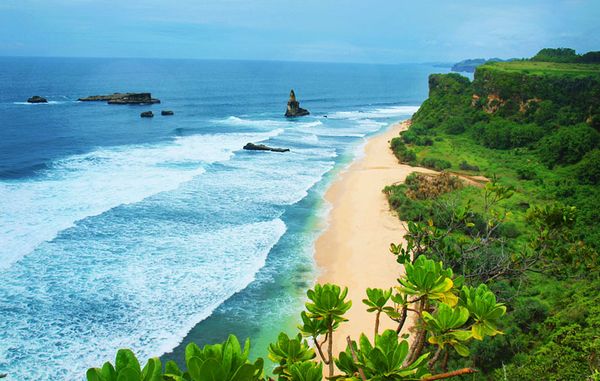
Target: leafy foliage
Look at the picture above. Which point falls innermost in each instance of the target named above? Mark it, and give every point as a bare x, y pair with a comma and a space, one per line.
383, 360
286, 352
568, 145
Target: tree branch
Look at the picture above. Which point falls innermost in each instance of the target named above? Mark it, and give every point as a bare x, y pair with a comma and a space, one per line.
454, 373
355, 358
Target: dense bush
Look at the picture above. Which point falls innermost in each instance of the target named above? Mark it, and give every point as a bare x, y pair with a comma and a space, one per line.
402, 152
411, 137
569, 335
568, 145
435, 163
526, 173
561, 55
588, 169
504, 134
468, 167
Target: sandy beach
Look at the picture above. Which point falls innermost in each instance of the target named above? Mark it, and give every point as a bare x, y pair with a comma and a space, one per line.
353, 251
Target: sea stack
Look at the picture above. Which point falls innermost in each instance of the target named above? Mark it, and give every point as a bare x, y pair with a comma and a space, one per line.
37, 99
293, 107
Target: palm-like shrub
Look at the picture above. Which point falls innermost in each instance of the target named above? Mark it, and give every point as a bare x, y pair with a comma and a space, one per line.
287, 352
127, 368
427, 279
383, 360
219, 362
444, 327
326, 310
376, 301
306, 371
483, 308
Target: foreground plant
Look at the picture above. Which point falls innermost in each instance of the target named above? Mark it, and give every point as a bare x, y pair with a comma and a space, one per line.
326, 311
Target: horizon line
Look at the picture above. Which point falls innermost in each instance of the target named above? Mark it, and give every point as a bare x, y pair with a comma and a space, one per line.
236, 59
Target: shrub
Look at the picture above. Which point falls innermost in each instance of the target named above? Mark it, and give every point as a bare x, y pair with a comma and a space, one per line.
411, 137
545, 113
455, 125
402, 152
504, 134
568, 145
437, 164
509, 230
423, 187
588, 170
468, 167
526, 174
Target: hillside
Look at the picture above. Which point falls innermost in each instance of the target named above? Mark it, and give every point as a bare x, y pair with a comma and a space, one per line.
531, 128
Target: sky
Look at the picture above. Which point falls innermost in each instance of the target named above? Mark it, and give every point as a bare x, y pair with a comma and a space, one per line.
367, 31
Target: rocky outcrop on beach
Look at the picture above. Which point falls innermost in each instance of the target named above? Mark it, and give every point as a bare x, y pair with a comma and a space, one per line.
293, 107
122, 99
167, 113
262, 147
37, 99
147, 114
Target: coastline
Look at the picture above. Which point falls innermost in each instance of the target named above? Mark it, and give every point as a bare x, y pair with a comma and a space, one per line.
353, 250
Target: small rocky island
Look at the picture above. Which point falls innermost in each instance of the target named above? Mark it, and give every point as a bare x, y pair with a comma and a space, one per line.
262, 147
293, 107
122, 99
37, 99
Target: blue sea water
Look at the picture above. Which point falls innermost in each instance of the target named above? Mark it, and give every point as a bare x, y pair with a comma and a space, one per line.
118, 231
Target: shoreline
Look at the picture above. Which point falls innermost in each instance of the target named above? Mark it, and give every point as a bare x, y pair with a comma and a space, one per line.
353, 249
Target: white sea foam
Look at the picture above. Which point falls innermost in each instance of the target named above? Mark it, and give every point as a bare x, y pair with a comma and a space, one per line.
82, 305
385, 112
45, 103
266, 123
35, 210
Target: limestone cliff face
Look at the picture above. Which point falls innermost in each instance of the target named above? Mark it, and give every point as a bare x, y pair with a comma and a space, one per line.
513, 92
293, 107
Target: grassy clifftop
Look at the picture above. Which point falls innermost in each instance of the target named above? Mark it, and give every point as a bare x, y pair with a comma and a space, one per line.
543, 68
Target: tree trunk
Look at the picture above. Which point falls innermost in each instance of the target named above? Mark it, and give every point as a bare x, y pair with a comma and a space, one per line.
330, 350
402, 318
376, 326
435, 358
417, 346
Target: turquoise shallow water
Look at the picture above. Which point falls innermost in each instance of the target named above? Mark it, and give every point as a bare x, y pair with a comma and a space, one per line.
117, 231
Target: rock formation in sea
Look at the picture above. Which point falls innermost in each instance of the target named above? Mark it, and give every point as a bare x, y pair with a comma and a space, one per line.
122, 99
167, 112
293, 107
37, 99
262, 147
147, 114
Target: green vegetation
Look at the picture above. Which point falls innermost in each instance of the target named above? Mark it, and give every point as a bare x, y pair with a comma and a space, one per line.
531, 233
565, 55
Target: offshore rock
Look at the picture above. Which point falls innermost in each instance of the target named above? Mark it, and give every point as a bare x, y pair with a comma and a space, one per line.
262, 147
37, 99
293, 107
147, 114
122, 99
167, 112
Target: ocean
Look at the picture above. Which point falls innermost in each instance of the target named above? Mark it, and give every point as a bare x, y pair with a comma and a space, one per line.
120, 231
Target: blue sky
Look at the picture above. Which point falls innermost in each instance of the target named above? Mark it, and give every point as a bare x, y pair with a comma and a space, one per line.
377, 31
